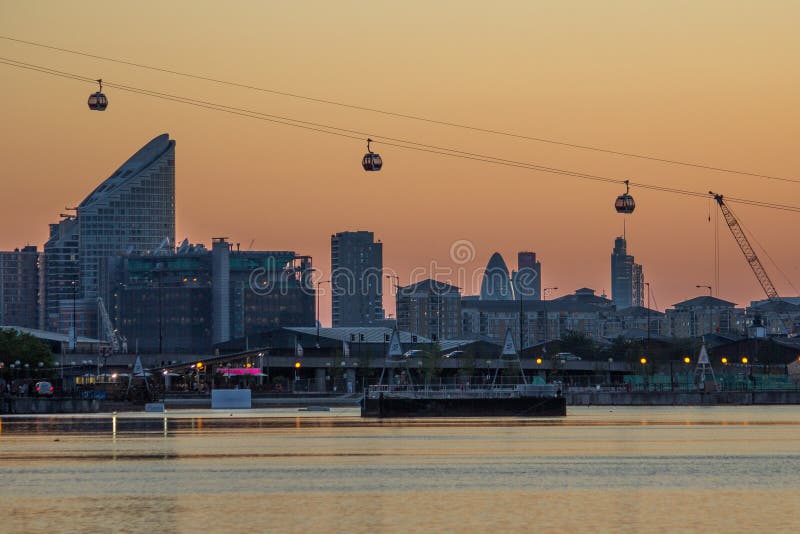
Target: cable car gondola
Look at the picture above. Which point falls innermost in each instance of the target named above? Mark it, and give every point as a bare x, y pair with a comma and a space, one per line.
98, 101
371, 161
625, 203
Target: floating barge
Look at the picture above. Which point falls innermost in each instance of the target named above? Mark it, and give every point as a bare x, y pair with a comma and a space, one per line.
522, 400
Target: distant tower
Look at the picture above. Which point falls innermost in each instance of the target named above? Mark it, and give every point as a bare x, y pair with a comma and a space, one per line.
527, 279
627, 278
356, 279
496, 284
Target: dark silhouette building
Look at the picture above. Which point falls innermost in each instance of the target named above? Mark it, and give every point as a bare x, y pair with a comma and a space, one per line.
19, 287
356, 279
627, 279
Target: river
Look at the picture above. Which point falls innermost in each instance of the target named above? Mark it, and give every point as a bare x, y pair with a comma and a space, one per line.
280, 470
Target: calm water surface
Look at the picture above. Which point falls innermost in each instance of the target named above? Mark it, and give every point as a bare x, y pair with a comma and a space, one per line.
727, 469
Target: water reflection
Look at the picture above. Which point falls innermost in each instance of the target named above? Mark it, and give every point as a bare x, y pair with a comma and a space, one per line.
626, 469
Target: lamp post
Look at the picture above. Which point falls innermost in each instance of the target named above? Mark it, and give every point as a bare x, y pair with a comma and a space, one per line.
318, 285
648, 313
643, 361
396, 280
74, 313
544, 300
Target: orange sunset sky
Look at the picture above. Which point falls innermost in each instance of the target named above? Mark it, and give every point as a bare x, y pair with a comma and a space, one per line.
713, 82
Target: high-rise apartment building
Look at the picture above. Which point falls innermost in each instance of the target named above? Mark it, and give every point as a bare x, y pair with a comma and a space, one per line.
61, 272
19, 287
627, 278
356, 279
132, 211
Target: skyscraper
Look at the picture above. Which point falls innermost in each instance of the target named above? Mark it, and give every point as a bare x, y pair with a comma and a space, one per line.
496, 283
19, 287
527, 279
133, 210
627, 278
61, 271
356, 279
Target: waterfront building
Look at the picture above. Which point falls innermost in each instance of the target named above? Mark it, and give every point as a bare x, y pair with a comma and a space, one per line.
132, 211
705, 315
581, 312
431, 309
356, 279
61, 272
190, 299
19, 287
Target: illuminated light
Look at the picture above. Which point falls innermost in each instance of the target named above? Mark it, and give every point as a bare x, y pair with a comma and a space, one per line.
725, 360
297, 365
744, 359
115, 375
643, 361
200, 366
687, 360
538, 361
234, 371
164, 372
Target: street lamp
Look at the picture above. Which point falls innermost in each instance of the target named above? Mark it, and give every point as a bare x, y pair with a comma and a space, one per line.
74, 313
319, 284
544, 301
643, 361
710, 289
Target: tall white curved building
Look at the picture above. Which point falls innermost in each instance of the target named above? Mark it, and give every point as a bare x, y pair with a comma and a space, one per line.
133, 210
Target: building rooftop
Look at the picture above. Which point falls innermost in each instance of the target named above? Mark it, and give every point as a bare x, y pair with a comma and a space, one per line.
135, 164
705, 302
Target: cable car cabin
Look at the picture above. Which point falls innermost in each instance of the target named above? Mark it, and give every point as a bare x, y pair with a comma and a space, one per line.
625, 204
98, 101
372, 162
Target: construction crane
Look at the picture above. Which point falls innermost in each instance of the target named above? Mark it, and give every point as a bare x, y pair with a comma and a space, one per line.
746, 248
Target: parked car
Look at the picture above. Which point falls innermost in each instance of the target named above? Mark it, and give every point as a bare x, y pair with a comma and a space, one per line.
412, 353
43, 389
454, 354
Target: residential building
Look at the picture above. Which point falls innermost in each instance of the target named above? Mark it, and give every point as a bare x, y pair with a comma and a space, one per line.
582, 312
19, 287
61, 273
705, 315
356, 279
132, 211
431, 309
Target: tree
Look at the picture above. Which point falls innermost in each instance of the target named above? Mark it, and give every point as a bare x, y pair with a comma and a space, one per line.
17, 346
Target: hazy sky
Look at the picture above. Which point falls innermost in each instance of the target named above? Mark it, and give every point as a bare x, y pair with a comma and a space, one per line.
714, 82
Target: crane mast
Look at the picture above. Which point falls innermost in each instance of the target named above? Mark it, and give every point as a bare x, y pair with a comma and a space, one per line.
746, 248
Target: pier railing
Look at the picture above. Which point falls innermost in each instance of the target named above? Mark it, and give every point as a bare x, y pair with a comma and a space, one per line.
444, 391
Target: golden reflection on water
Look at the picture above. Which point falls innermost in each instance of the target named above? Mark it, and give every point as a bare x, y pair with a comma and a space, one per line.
726, 469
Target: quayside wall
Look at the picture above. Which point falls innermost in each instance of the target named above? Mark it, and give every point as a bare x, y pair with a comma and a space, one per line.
668, 398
